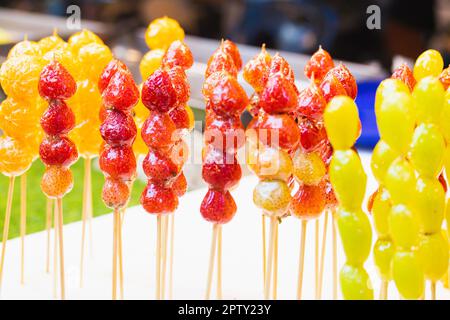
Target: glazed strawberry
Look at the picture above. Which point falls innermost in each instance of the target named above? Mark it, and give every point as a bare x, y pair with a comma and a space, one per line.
160, 167
218, 206
158, 92
256, 71
330, 198
158, 199
347, 80
181, 118
58, 151
405, 74
220, 170
279, 95
103, 113
331, 87
118, 128
278, 131
225, 133
115, 193
232, 50
279, 65
178, 55
159, 131
221, 61
445, 77
58, 119
318, 66
179, 186
118, 162
109, 71
180, 84
311, 103
121, 92
308, 202
55, 82
312, 134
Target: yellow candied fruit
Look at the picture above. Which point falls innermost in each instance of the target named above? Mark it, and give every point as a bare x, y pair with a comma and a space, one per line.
400, 181
308, 167
355, 283
17, 118
404, 227
162, 32
64, 56
273, 196
51, 43
429, 204
150, 62
386, 88
25, 47
270, 163
93, 58
383, 252
83, 38
87, 137
380, 210
15, 157
86, 102
407, 272
433, 252
382, 157
57, 181
139, 147
445, 117
428, 96
429, 63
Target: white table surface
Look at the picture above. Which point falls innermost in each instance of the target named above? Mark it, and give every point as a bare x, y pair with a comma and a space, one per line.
242, 269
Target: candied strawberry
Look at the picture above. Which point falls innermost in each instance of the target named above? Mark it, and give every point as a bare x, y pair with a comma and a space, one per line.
180, 84
330, 198
220, 170
55, 82
281, 66
445, 77
158, 92
58, 151
118, 128
159, 167
180, 117
224, 133
179, 186
311, 103
58, 119
311, 134
121, 92
331, 87
256, 71
109, 71
221, 61
56, 181
118, 162
178, 55
405, 74
278, 131
227, 97
103, 113
232, 50
318, 66
218, 206
279, 95
308, 202
347, 80
158, 199
159, 131
115, 193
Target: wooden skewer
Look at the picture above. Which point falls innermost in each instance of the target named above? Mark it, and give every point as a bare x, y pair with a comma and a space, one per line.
61, 247
316, 259
273, 221
172, 236
89, 207
211, 260
48, 226
114, 271
264, 247
158, 259
301, 259
164, 255
83, 218
384, 289
275, 264
55, 251
322, 255
23, 224
334, 255
433, 290
119, 248
6, 225
219, 263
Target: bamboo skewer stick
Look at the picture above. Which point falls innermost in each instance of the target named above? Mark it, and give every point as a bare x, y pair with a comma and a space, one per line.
120, 254
322, 255
6, 225
264, 247
384, 289
61, 248
83, 218
158, 259
164, 255
433, 290
172, 236
55, 251
316, 258
48, 226
275, 267
23, 224
273, 222
301, 258
211, 260
114, 271
219, 263
89, 206
334, 255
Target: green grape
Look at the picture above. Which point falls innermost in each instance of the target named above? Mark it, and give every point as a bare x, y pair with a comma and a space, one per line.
404, 227
429, 63
429, 204
342, 122
433, 252
355, 283
445, 116
383, 252
400, 181
382, 157
380, 210
427, 150
407, 272
356, 235
428, 96
386, 88
348, 178
396, 122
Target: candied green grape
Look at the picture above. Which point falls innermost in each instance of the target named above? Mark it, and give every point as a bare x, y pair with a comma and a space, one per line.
383, 252
427, 150
348, 178
429, 204
407, 272
355, 283
404, 227
308, 167
356, 235
382, 157
342, 122
445, 116
396, 121
428, 96
400, 181
386, 88
433, 252
273, 196
429, 63
380, 210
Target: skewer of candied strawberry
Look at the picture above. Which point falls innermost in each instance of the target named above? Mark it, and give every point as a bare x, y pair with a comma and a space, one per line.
165, 93
117, 161
57, 151
224, 135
